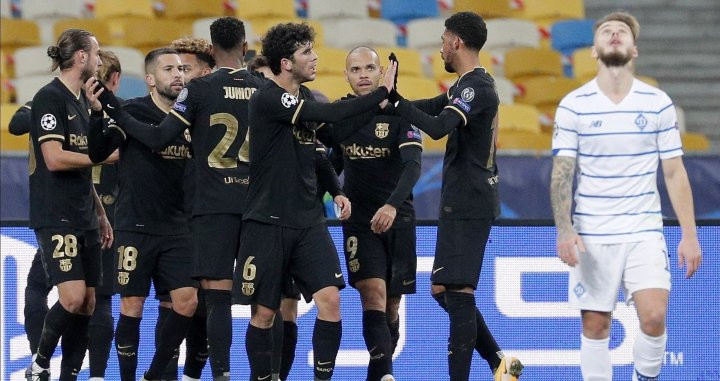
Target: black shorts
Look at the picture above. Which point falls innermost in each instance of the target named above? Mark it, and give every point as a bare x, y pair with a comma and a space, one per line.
269, 253
37, 277
389, 256
70, 254
107, 277
459, 251
164, 259
216, 243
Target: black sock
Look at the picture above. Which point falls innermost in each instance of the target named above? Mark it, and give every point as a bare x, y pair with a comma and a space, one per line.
101, 335
74, 345
258, 345
440, 299
394, 327
326, 343
36, 291
277, 335
127, 340
172, 334
378, 343
171, 370
485, 343
56, 320
196, 354
290, 335
219, 330
463, 331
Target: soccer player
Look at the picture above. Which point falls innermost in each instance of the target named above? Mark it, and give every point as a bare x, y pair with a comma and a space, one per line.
214, 108
616, 129
467, 115
153, 236
37, 288
282, 200
382, 164
68, 218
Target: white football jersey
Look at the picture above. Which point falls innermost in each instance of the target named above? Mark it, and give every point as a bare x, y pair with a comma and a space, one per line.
618, 148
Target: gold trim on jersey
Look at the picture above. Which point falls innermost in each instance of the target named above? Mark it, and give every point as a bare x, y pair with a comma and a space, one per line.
233, 71
180, 117
77, 96
410, 143
297, 111
51, 136
451, 107
319, 126
162, 106
27, 107
115, 126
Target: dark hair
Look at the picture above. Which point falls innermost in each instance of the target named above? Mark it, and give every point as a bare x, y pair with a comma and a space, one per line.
152, 57
256, 63
69, 42
110, 65
282, 40
470, 27
199, 47
227, 33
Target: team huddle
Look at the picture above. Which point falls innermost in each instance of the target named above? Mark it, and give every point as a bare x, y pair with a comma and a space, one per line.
210, 188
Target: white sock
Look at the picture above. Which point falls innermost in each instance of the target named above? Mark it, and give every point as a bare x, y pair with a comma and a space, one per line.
188, 378
96, 379
595, 359
648, 354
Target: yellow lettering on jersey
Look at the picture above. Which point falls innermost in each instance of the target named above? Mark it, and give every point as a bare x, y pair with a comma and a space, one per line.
240, 93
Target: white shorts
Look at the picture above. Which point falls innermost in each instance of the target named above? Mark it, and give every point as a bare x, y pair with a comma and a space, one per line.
596, 279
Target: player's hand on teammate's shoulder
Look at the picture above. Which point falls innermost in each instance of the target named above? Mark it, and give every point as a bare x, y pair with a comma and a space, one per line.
689, 254
383, 219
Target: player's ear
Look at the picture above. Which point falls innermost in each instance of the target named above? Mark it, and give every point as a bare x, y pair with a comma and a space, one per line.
593, 52
244, 48
150, 80
286, 64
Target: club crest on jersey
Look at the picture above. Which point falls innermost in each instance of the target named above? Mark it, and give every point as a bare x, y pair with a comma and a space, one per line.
641, 122
108, 199
354, 265
48, 122
187, 136
183, 95
248, 288
123, 278
288, 100
382, 130
468, 94
579, 290
65, 265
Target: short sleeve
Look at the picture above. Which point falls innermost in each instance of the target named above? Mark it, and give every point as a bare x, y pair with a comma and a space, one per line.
472, 97
668, 138
49, 117
189, 101
565, 131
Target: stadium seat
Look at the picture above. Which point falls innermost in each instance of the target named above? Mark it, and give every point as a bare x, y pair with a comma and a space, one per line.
695, 142
132, 61
5, 10
336, 9
26, 87
505, 90
488, 9
523, 63
253, 9
409, 59
584, 66
524, 140
546, 12
570, 35
330, 61
131, 86
145, 36
16, 33
112, 9
542, 91
433, 146
425, 33
505, 34
417, 88
333, 87
402, 11
8, 141
519, 118
262, 25
99, 28
56, 9
193, 9
355, 32
33, 61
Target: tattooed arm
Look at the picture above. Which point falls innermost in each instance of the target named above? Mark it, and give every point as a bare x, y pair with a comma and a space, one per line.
561, 199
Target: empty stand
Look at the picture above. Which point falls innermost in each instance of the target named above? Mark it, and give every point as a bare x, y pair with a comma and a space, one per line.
330, 61
108, 9
402, 11
8, 141
16, 33
425, 33
486, 8
26, 87
695, 142
193, 9
99, 28
254, 9
132, 61
505, 90
131, 86
43, 9
546, 12
505, 34
543, 91
33, 61
350, 33
584, 66
337, 9
524, 140
409, 59
523, 63
145, 36
417, 88
570, 35
518, 117
333, 87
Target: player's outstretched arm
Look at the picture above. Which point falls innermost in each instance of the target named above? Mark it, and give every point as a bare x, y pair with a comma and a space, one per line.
678, 186
561, 199
435, 126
